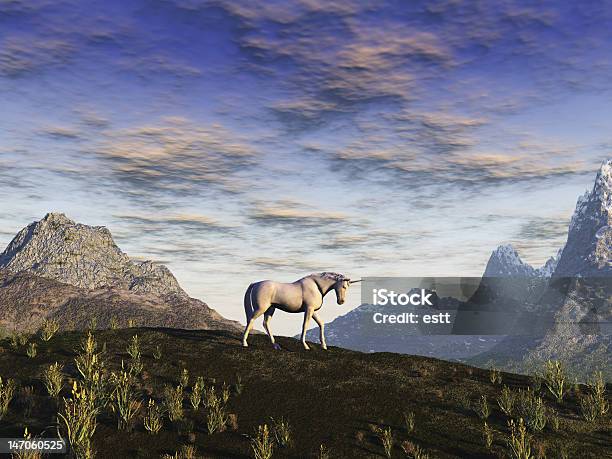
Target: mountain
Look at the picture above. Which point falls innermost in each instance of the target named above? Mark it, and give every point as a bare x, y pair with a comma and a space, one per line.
588, 251
84, 256
56, 268
564, 305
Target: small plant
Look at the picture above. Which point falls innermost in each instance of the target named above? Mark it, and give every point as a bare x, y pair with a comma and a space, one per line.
414, 451
184, 379
133, 348
113, 324
519, 442
130, 323
124, 402
386, 439
409, 421
49, 329
27, 453
196, 393
536, 383
225, 393
7, 391
495, 376
78, 418
589, 407
217, 417
186, 452
18, 340
32, 350
555, 420
173, 402
555, 379
53, 379
482, 408
487, 434
532, 410
323, 452
153, 421
282, 432
262, 444
238, 385
93, 323
597, 386
506, 401
157, 353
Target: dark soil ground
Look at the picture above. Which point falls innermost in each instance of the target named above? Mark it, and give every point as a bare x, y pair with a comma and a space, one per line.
334, 398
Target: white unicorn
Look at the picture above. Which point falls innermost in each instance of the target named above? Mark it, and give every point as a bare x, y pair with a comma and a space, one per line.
304, 295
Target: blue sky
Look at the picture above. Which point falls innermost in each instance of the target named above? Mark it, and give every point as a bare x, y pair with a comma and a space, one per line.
241, 140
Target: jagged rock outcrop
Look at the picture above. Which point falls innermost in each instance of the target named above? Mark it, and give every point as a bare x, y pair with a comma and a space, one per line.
56, 268
505, 261
84, 256
588, 251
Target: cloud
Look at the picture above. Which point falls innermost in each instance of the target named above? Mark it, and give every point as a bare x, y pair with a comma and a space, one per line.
190, 222
294, 214
178, 155
21, 55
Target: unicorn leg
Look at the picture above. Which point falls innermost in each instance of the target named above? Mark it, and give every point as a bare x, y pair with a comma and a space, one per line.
321, 325
307, 316
249, 326
266, 323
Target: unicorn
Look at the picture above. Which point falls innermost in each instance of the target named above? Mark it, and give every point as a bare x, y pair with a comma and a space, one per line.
304, 295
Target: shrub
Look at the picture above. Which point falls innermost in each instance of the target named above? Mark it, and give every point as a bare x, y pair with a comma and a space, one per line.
27, 453
597, 386
53, 379
323, 452
495, 376
184, 379
7, 391
554, 419
32, 350
414, 451
173, 402
130, 323
589, 407
519, 442
49, 329
282, 432
196, 393
555, 379
124, 402
157, 353
113, 324
79, 420
482, 407
262, 444
186, 452
238, 385
506, 401
133, 348
225, 393
409, 421
531, 408
217, 417
487, 434
386, 438
153, 421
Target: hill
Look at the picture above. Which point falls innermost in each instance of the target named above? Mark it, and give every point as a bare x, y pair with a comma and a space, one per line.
336, 398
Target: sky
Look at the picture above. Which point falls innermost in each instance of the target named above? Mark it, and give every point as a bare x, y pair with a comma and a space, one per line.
236, 141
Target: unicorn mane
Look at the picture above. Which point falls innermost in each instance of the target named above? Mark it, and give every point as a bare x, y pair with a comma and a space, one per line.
330, 275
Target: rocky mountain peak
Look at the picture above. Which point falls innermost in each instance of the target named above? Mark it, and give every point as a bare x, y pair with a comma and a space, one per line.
505, 261
84, 256
588, 250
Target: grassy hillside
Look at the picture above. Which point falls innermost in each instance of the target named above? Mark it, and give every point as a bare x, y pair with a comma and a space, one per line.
341, 399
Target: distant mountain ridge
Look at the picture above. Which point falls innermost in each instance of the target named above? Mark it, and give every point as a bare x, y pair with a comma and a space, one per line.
57, 268
565, 288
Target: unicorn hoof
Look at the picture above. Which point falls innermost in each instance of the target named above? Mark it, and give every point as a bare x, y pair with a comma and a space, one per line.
324, 348
276, 347
244, 344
